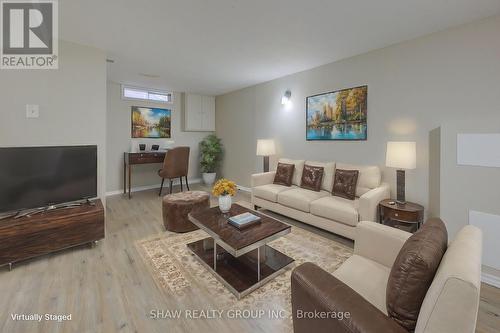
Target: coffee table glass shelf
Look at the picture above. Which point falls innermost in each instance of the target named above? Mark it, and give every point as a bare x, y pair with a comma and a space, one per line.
239, 258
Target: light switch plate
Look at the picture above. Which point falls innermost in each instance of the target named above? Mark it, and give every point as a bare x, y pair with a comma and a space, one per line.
32, 111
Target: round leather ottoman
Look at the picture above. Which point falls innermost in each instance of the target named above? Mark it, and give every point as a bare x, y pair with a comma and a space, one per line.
177, 206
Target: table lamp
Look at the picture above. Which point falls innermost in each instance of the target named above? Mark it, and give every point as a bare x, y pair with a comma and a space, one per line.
266, 148
403, 156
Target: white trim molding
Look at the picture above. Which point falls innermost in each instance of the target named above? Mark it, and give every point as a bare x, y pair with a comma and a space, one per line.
490, 279
151, 187
244, 188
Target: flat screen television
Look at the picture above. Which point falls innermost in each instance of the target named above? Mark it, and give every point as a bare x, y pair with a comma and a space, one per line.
32, 177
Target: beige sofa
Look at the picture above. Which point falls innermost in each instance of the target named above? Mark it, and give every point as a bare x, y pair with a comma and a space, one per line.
449, 306
322, 209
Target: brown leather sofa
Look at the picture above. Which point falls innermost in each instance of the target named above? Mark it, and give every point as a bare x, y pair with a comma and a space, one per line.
357, 297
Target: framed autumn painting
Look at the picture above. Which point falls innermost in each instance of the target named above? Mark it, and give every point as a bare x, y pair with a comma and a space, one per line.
337, 115
151, 122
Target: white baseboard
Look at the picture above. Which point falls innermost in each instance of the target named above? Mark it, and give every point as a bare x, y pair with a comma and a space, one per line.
151, 187
490, 279
243, 188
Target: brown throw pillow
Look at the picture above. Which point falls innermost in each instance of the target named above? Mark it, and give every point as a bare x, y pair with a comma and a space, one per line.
312, 176
284, 174
344, 184
413, 272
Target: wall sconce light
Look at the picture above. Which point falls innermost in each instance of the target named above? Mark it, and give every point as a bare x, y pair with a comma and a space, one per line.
286, 99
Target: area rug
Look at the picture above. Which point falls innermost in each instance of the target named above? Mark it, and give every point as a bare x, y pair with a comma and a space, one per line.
178, 273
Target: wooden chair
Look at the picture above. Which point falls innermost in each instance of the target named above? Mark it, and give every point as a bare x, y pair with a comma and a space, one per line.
175, 165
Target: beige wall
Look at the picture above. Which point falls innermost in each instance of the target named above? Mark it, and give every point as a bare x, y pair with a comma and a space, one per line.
235, 125
465, 188
448, 78
434, 208
119, 140
72, 102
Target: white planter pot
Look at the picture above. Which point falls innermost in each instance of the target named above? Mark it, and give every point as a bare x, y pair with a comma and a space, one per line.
208, 178
225, 202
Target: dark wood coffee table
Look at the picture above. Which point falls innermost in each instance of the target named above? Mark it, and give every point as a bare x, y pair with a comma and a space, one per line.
240, 259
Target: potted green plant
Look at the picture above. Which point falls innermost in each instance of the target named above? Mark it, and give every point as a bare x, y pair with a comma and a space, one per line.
211, 155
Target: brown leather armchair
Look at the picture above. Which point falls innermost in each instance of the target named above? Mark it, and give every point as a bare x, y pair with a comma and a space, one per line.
354, 298
175, 165
316, 293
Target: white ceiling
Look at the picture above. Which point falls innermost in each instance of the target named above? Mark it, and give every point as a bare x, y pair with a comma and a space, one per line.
216, 46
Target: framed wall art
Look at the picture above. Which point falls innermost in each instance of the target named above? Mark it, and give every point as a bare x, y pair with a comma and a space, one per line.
337, 115
151, 122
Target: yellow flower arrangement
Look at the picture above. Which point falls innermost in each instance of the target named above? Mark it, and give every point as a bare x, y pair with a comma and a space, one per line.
224, 187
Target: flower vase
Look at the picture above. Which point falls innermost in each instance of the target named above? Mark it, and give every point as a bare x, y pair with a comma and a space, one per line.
225, 202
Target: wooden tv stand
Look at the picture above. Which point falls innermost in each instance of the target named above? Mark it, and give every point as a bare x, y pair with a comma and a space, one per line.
50, 231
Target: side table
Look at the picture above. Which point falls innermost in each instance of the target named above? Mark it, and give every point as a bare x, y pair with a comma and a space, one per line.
408, 216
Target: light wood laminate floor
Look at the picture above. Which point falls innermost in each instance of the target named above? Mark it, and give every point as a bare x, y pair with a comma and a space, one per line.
109, 289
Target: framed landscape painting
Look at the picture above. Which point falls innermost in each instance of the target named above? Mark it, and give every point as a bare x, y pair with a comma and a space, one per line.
150, 122
337, 115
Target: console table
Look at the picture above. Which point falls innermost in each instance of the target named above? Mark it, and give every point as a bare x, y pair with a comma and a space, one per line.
130, 159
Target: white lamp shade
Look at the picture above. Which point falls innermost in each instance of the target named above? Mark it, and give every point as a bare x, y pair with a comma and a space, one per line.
401, 155
265, 147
